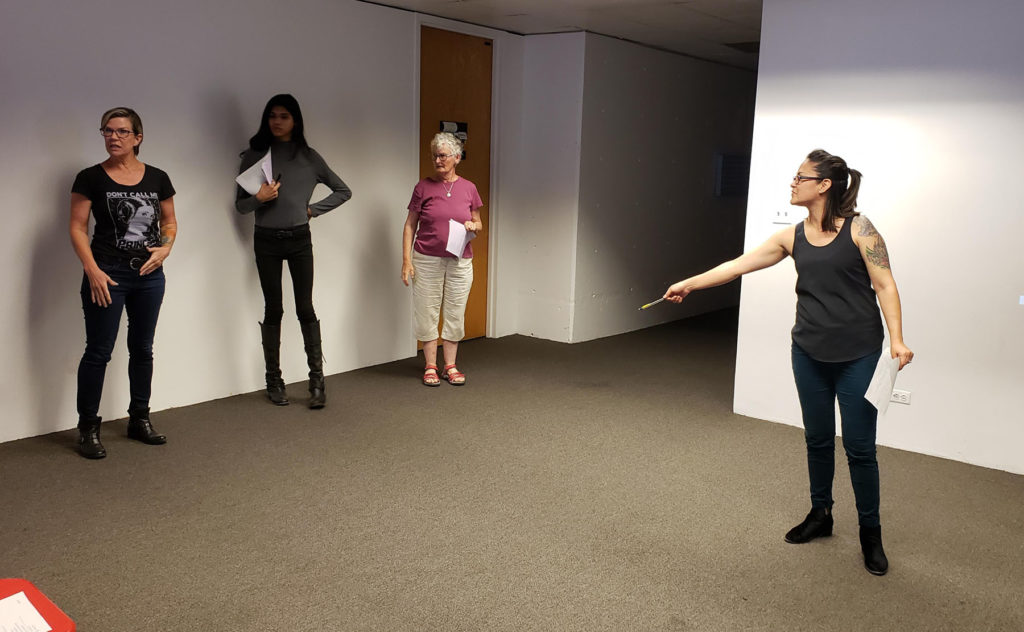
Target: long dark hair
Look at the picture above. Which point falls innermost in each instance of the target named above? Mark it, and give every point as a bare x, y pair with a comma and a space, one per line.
261, 141
842, 195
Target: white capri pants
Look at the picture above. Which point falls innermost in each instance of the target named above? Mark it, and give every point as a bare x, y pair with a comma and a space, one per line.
437, 282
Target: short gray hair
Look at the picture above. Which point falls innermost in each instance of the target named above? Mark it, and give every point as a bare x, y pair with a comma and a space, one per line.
447, 141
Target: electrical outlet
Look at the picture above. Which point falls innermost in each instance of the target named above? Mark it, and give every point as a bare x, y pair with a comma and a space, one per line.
785, 216
900, 397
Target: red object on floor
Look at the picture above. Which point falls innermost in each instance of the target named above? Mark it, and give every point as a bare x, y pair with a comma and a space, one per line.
53, 615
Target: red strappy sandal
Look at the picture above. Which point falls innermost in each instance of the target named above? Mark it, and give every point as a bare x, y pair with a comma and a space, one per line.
430, 377
453, 376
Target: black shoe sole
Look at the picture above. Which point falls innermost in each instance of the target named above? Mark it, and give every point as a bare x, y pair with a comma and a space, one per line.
149, 441
823, 535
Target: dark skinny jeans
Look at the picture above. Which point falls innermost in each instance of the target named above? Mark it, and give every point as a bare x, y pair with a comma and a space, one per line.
272, 248
141, 297
819, 384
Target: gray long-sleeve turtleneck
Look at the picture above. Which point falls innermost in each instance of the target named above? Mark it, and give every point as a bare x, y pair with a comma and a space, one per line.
299, 174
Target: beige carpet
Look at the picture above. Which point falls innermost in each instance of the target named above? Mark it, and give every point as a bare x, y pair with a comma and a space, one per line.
598, 486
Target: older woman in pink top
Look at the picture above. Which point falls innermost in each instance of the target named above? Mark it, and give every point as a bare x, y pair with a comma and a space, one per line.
438, 276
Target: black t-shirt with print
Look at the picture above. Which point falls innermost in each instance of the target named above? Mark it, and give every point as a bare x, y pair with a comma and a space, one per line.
127, 217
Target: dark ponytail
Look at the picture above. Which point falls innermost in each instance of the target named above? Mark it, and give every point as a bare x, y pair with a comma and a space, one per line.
841, 200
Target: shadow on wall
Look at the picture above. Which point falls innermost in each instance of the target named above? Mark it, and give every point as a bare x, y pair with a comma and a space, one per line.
54, 316
370, 303
229, 127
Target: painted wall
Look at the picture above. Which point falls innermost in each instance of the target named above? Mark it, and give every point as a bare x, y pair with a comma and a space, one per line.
929, 105
652, 124
539, 236
199, 74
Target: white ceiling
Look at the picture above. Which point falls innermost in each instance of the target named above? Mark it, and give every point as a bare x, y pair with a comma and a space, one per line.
699, 28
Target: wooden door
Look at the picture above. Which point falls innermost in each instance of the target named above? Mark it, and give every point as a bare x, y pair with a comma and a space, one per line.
455, 86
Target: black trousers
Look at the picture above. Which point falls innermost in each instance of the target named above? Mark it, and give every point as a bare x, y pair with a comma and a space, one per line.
273, 247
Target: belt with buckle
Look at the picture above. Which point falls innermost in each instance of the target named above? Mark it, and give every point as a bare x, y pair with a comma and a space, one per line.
132, 262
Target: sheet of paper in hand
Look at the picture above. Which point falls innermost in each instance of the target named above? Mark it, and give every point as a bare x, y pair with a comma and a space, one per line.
883, 381
458, 238
252, 178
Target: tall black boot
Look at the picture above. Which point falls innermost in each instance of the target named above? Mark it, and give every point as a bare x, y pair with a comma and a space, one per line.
874, 555
272, 357
140, 428
89, 444
315, 360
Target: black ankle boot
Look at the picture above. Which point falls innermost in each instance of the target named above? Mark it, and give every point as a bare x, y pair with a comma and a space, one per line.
89, 444
141, 429
817, 524
874, 556
272, 357
315, 360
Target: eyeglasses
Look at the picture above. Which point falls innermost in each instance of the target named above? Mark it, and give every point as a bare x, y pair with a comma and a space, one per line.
443, 156
797, 179
120, 133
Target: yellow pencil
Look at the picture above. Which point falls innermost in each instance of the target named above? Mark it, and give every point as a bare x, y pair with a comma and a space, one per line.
652, 304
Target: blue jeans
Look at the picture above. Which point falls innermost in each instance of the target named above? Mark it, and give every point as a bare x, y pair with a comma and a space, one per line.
141, 297
819, 384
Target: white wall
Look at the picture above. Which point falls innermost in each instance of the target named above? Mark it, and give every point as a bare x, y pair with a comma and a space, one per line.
652, 124
541, 192
199, 74
928, 102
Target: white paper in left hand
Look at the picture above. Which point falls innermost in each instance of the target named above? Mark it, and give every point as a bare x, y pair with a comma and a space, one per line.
252, 178
879, 391
458, 237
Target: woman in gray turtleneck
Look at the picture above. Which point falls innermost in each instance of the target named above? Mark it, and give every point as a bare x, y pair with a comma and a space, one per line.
283, 212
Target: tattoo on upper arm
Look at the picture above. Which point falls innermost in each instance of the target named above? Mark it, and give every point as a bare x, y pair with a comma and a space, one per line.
877, 253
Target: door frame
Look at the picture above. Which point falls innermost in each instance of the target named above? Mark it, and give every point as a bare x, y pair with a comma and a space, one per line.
496, 38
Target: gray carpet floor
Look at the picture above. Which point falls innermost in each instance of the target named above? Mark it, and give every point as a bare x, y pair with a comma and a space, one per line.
598, 486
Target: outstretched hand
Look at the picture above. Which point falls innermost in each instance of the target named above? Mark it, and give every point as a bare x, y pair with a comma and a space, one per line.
676, 293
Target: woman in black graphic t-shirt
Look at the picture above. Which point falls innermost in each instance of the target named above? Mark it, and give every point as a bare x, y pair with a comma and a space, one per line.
133, 206
842, 269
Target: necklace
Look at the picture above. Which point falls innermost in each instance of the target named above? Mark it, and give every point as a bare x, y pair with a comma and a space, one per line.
448, 190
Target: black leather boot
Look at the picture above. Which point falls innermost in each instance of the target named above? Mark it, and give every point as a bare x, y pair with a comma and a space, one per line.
315, 360
89, 444
141, 429
874, 555
817, 524
272, 357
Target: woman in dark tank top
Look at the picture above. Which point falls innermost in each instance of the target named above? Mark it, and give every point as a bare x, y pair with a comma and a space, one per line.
842, 269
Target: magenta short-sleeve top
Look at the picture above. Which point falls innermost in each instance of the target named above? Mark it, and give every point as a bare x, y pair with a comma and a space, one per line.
431, 202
